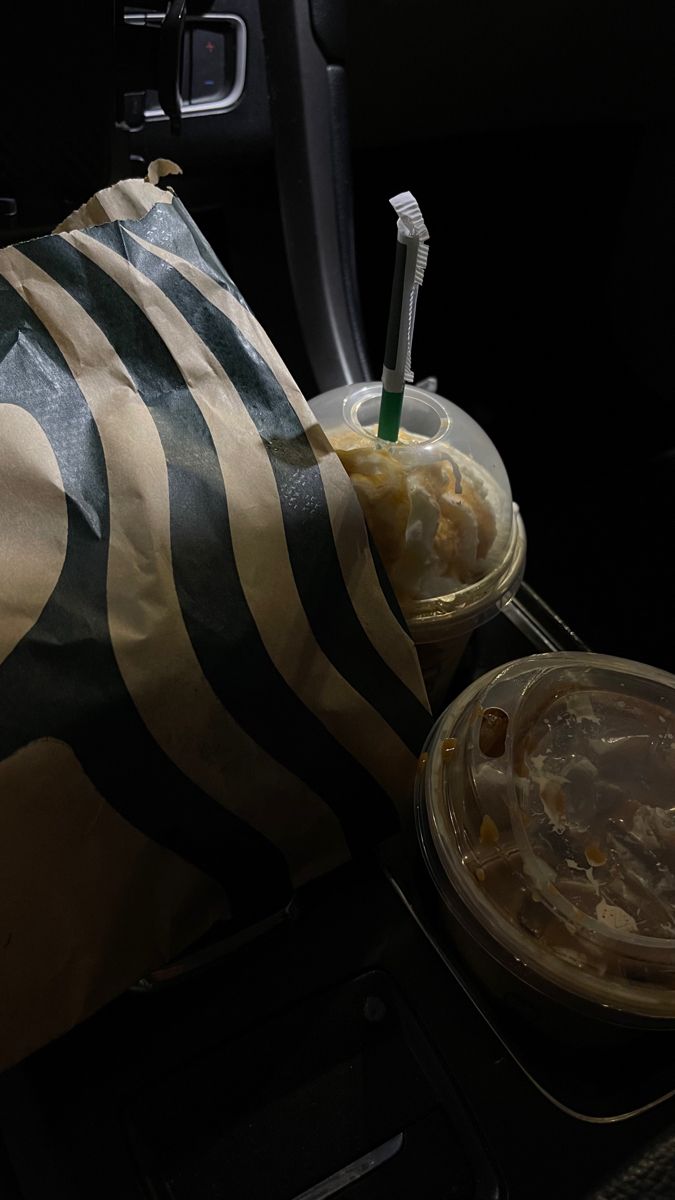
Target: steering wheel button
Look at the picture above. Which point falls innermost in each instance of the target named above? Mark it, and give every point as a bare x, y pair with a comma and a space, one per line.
208, 65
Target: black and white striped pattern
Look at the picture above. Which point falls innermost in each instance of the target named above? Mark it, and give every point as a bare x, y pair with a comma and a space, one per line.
189, 603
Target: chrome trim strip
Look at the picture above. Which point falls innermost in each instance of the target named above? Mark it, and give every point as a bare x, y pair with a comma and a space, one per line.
355, 1170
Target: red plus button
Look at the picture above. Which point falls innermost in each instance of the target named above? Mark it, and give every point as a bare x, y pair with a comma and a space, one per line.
208, 65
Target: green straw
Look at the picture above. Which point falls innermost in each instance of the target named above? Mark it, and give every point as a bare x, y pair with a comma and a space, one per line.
411, 259
390, 415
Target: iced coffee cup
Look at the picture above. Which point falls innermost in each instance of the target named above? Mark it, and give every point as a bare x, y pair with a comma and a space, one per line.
438, 505
545, 809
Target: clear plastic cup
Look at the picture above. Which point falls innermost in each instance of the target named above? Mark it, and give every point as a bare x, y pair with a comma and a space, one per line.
545, 808
444, 596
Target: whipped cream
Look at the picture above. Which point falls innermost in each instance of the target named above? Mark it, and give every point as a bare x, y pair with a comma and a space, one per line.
428, 510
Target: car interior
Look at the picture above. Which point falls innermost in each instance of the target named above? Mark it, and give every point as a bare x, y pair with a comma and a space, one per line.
338, 1045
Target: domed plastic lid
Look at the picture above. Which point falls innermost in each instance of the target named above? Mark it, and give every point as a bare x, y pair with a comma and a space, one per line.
431, 421
438, 502
550, 790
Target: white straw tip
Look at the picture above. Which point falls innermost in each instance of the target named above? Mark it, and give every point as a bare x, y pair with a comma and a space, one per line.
410, 219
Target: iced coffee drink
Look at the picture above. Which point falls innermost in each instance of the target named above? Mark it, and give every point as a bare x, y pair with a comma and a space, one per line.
547, 819
438, 506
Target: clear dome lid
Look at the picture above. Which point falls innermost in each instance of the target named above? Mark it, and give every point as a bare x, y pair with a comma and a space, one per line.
550, 795
438, 502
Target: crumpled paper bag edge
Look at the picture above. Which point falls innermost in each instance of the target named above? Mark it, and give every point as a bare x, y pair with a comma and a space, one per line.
128, 200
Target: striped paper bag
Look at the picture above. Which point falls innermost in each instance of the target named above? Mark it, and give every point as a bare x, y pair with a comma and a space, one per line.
206, 697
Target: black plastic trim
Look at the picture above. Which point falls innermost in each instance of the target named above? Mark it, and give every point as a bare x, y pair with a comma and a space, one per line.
309, 117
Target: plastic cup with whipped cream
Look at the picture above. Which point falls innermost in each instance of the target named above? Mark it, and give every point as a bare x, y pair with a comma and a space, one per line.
438, 505
545, 807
